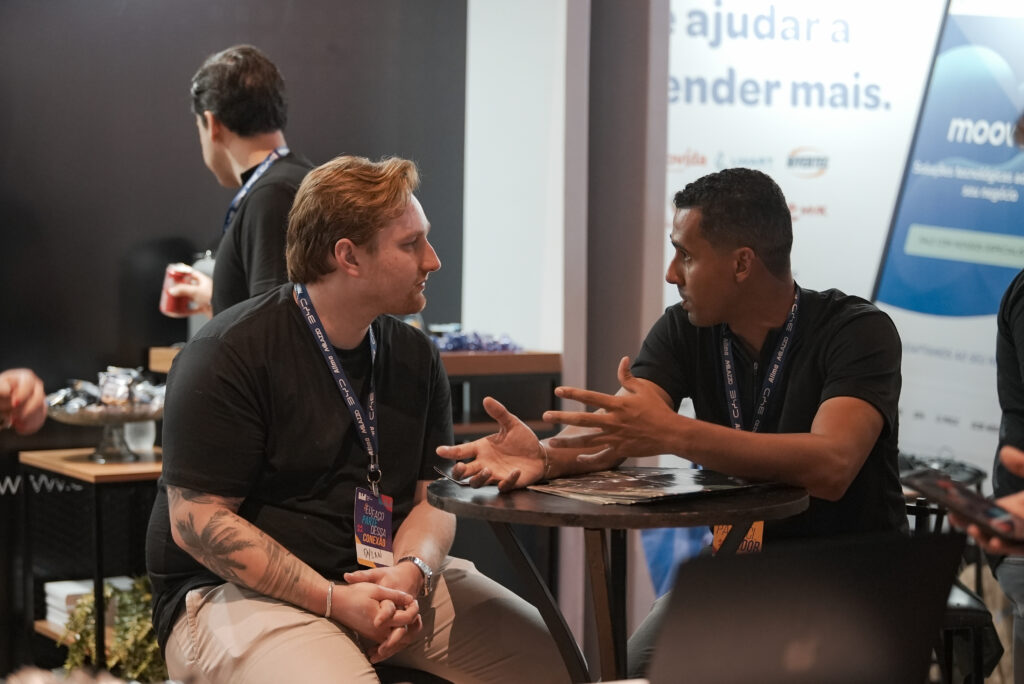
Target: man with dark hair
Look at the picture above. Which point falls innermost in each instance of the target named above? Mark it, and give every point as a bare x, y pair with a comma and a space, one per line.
788, 384
300, 431
238, 99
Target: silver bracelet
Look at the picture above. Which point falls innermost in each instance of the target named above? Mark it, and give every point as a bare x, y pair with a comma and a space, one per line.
330, 596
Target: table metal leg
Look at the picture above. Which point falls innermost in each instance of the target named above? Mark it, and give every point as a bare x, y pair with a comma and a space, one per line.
618, 578
541, 597
99, 607
27, 570
607, 585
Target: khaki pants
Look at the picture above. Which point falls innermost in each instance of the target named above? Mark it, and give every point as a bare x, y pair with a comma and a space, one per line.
474, 630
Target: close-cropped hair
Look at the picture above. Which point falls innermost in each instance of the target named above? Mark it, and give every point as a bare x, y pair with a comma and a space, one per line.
243, 89
743, 208
348, 197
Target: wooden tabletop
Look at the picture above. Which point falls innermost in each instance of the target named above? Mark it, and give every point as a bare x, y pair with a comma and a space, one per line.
460, 363
75, 463
770, 502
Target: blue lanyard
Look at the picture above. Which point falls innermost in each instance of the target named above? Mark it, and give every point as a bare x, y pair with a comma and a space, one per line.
771, 380
243, 191
365, 421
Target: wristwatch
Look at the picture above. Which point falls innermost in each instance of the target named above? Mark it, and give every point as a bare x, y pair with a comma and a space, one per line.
428, 574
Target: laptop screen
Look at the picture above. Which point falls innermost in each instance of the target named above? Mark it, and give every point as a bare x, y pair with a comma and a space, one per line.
862, 610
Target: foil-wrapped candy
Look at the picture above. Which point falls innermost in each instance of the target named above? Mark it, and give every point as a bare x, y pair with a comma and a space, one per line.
118, 388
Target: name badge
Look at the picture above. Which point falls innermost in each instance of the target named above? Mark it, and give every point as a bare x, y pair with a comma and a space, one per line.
752, 542
372, 518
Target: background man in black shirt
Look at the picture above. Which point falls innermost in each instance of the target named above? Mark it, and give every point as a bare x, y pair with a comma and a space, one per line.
238, 99
788, 384
1008, 469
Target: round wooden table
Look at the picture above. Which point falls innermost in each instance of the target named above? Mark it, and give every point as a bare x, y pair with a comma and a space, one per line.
606, 560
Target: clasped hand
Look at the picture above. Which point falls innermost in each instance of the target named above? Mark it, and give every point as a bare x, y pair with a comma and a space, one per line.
396, 622
22, 401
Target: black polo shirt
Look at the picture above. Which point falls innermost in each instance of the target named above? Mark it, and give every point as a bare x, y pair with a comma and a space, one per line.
842, 346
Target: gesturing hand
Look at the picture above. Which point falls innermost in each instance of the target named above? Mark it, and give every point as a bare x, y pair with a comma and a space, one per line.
512, 457
638, 421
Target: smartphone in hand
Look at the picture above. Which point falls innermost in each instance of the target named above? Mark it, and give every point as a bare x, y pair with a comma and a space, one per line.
966, 502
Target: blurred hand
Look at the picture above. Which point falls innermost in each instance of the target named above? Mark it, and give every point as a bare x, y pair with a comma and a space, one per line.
199, 291
1013, 459
22, 401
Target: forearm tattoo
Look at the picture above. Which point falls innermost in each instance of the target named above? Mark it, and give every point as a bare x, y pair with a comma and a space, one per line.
220, 543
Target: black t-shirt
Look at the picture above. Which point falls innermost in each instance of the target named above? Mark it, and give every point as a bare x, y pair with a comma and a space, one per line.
1010, 382
252, 411
842, 346
250, 256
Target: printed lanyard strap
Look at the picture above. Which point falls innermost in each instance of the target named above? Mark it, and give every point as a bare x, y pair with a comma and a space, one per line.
365, 421
244, 190
771, 379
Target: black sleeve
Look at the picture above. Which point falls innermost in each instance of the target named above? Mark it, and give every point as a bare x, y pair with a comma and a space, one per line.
213, 433
439, 419
1010, 363
1010, 377
264, 226
661, 359
863, 361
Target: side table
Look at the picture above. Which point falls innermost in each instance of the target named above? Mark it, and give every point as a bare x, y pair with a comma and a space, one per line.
97, 477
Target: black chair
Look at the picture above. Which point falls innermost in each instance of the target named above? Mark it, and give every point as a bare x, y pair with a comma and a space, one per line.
393, 674
966, 617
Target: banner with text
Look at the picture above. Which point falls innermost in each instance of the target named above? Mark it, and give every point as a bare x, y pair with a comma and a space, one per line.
957, 235
820, 96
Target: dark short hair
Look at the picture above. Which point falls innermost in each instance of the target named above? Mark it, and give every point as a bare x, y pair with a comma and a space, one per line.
743, 208
243, 89
348, 197
1018, 131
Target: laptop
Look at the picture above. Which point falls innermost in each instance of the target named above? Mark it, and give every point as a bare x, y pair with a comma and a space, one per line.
864, 610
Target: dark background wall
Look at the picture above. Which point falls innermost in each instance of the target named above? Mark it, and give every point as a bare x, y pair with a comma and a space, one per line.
101, 178
102, 182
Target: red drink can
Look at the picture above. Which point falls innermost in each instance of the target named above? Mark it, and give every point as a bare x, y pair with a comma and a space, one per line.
175, 307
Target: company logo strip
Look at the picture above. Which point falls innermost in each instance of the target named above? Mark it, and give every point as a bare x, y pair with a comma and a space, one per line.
807, 162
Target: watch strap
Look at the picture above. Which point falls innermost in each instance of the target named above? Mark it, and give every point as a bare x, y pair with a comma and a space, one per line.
428, 574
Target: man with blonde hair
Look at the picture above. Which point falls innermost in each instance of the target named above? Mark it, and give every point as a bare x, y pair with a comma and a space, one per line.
299, 438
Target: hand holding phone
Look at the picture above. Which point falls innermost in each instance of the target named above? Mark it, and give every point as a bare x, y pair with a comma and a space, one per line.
966, 503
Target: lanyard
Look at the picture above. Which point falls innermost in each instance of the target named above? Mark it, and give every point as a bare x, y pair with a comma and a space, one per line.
771, 379
365, 421
260, 170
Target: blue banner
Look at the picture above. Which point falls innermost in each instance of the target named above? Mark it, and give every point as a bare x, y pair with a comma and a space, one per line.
956, 237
